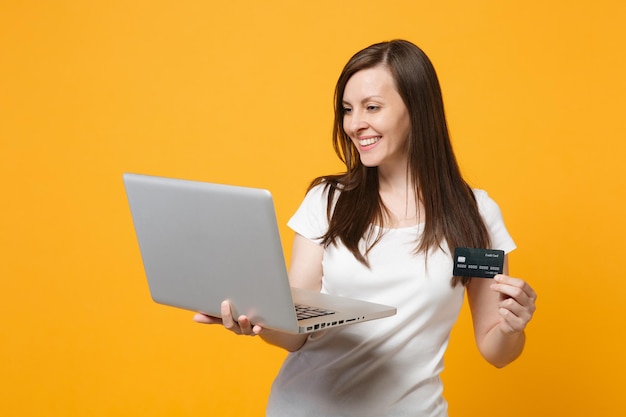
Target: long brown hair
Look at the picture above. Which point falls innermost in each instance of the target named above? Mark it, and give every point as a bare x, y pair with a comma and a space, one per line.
450, 208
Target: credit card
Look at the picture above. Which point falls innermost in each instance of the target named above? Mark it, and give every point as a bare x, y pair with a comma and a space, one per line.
480, 263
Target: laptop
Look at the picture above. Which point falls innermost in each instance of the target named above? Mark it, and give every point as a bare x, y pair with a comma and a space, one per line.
202, 243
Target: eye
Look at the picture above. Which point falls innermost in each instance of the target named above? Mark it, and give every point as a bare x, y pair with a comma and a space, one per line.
372, 107
347, 110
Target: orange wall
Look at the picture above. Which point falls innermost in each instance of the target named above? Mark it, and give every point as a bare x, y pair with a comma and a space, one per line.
241, 92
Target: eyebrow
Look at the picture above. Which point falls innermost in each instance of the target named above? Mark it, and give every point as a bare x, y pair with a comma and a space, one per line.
366, 99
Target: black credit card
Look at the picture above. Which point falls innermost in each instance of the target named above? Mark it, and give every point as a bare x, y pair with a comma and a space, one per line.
480, 263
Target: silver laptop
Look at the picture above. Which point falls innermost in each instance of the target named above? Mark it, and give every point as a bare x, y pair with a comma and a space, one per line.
202, 243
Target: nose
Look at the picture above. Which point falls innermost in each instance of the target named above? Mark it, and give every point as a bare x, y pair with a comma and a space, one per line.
354, 123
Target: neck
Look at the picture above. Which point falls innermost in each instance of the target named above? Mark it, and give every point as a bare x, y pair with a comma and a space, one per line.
395, 179
398, 195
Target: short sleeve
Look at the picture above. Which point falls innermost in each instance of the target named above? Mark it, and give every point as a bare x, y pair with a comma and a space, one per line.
492, 216
310, 220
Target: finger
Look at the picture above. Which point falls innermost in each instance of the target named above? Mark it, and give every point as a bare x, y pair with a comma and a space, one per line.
515, 301
245, 325
204, 319
514, 287
511, 323
517, 282
227, 317
524, 313
257, 329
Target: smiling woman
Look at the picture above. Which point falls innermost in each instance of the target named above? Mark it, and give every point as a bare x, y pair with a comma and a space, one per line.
351, 241
376, 119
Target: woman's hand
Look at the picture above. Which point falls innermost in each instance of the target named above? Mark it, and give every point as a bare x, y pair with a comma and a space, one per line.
501, 309
241, 326
517, 303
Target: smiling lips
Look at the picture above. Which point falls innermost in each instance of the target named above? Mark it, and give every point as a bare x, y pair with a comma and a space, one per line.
368, 141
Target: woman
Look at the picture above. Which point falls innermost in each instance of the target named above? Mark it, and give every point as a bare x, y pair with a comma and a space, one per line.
384, 231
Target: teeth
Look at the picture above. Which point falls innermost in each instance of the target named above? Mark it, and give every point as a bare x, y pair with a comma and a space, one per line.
370, 141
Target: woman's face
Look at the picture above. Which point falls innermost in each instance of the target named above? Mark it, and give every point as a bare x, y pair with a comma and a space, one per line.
375, 118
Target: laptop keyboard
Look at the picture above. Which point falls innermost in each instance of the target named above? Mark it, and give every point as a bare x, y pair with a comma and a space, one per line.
307, 312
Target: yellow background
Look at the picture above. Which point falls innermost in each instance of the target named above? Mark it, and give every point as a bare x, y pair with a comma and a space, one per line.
241, 92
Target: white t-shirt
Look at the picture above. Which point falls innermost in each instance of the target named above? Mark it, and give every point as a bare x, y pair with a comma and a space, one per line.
385, 367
